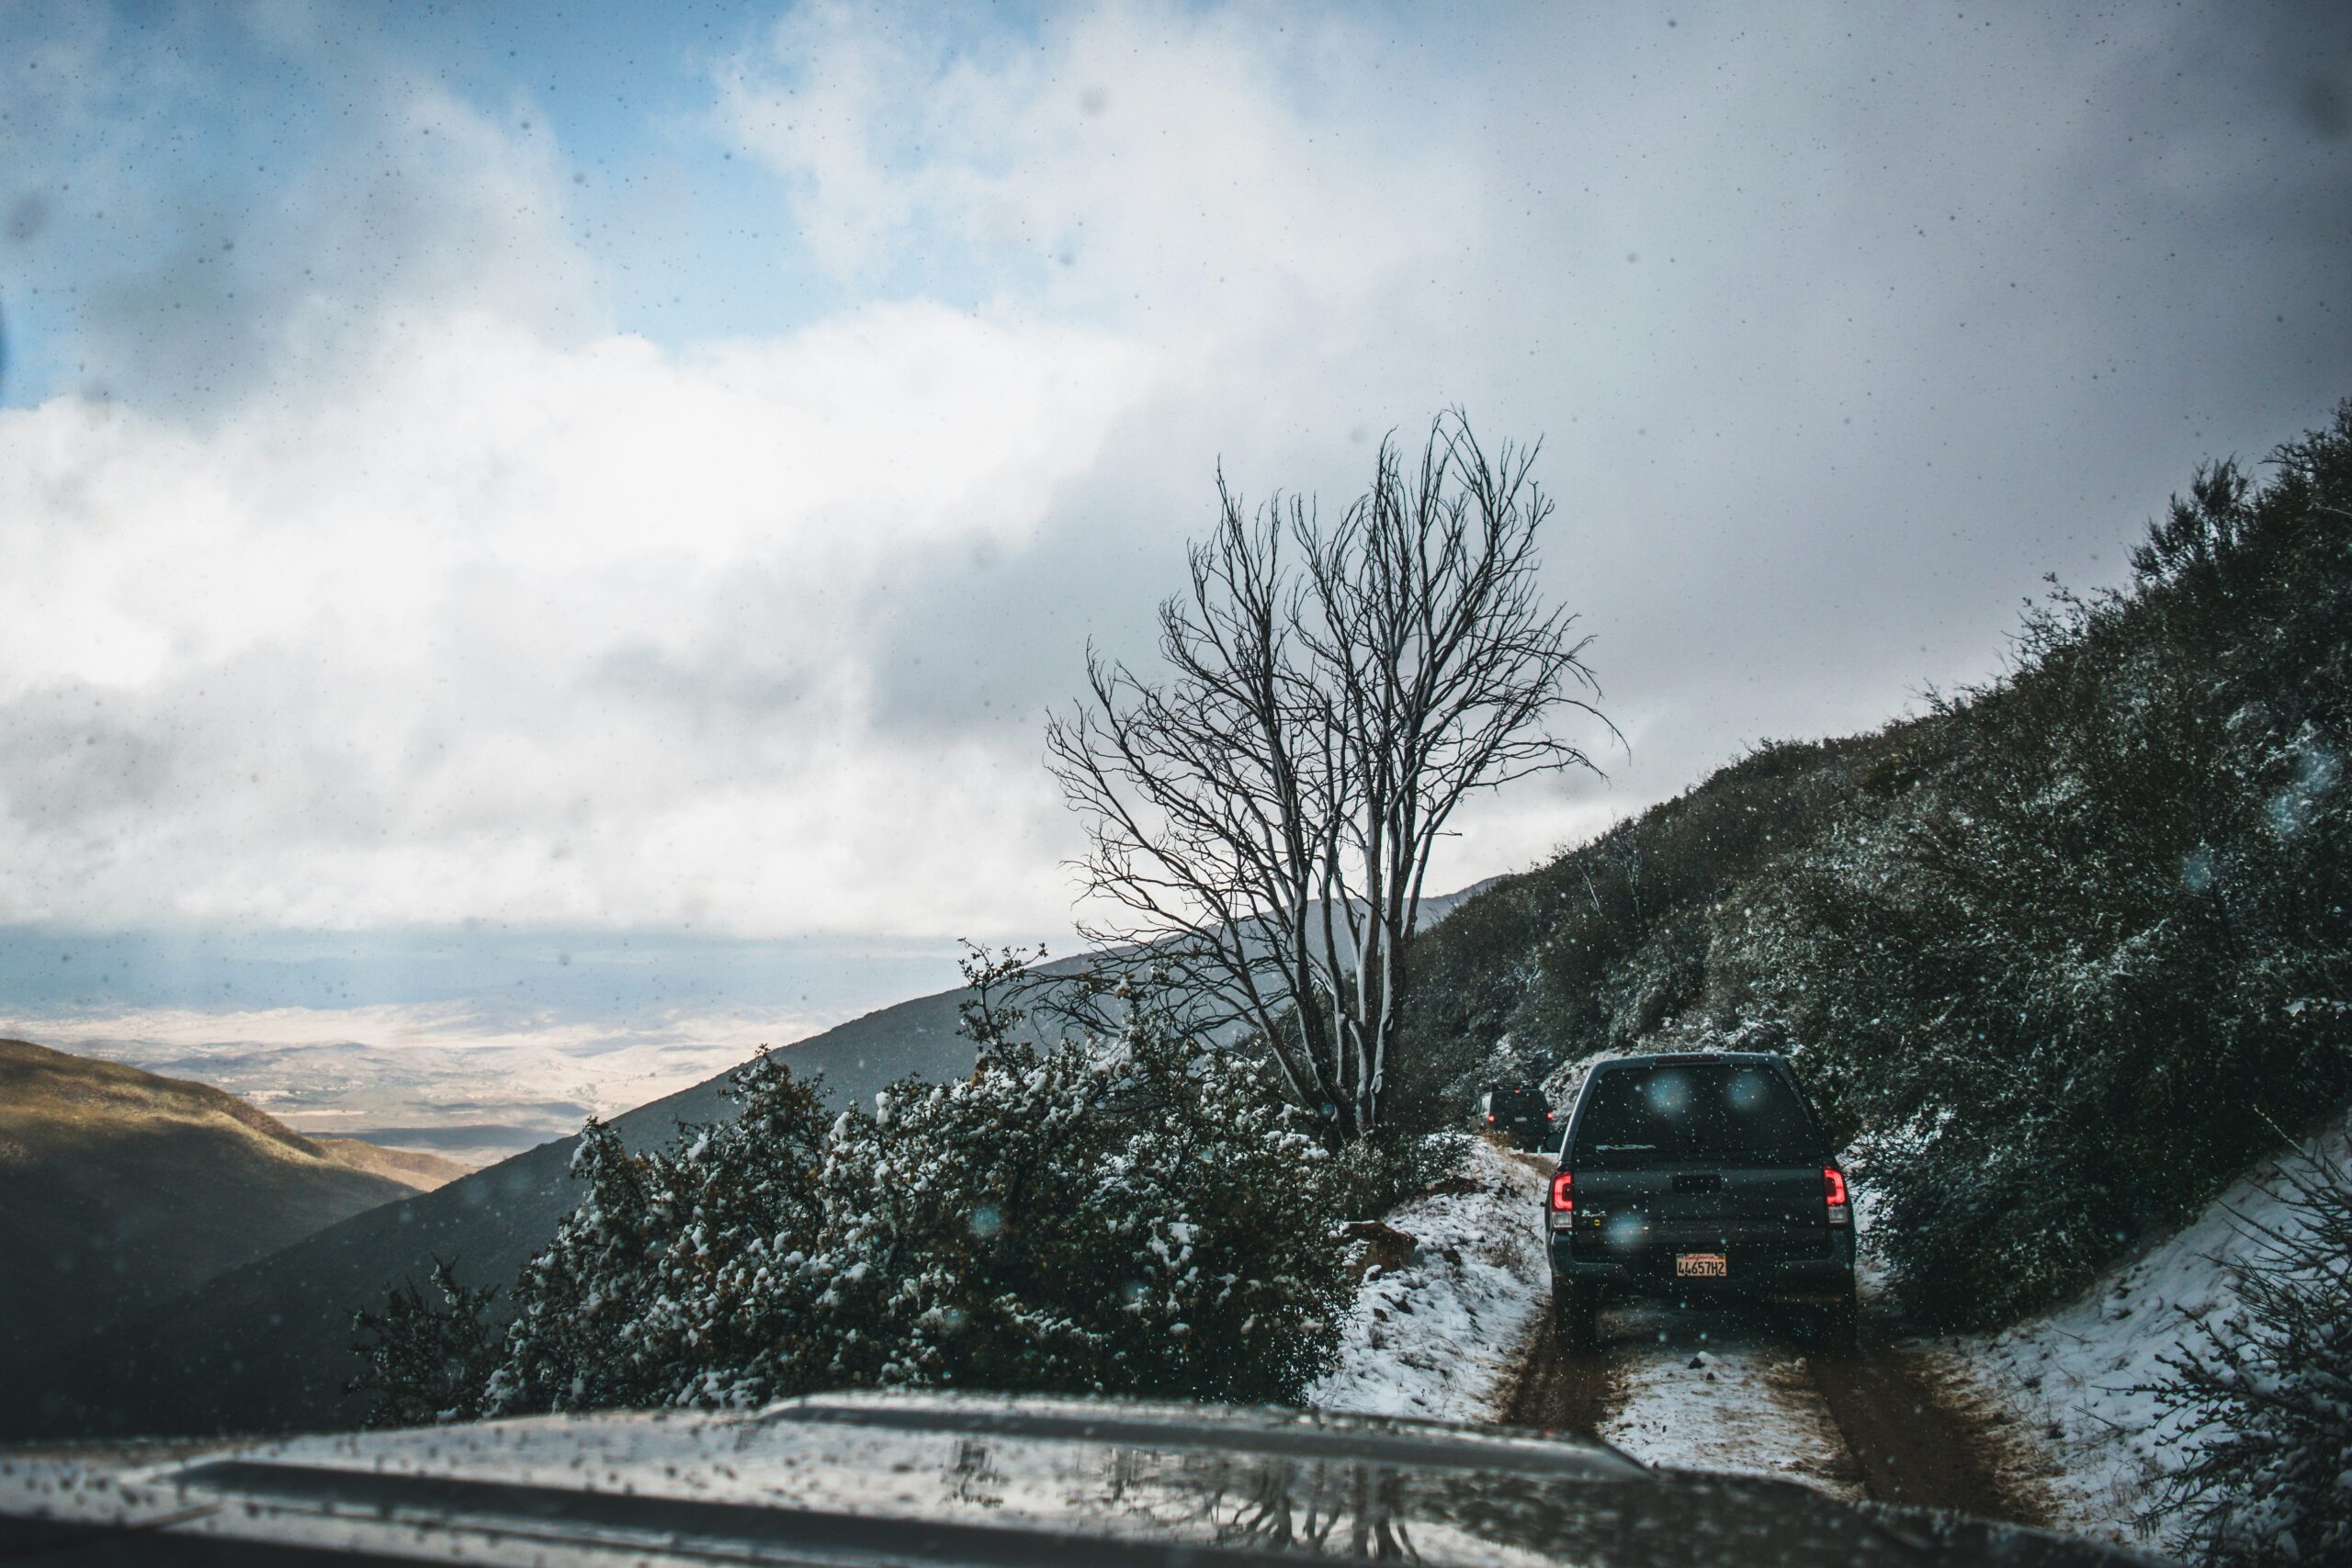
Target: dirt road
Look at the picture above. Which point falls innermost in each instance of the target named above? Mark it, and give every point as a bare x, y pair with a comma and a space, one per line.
1729, 1389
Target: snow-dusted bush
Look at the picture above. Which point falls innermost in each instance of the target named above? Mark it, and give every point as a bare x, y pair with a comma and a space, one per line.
1118, 1213
576, 1343
678, 1278
422, 1364
1371, 1176
2265, 1394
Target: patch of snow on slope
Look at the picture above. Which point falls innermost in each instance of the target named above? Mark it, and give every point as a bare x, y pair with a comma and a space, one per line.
1872, 1281
1440, 1334
2072, 1371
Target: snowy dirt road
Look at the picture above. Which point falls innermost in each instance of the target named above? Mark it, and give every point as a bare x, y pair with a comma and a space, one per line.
1731, 1389
1454, 1322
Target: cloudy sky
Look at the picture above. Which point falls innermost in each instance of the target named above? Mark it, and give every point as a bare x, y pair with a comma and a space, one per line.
568, 471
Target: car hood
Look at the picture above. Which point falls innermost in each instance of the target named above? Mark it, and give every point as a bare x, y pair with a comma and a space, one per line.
961, 1479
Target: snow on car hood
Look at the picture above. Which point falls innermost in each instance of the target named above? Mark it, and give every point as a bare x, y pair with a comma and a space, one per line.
936, 1478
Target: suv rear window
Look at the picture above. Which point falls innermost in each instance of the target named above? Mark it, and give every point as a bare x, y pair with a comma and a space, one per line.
1722, 1111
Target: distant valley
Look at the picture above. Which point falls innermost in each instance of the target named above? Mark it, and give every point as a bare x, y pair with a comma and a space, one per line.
177, 1366
475, 1043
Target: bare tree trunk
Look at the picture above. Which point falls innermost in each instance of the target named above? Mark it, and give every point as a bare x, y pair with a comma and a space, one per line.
1263, 816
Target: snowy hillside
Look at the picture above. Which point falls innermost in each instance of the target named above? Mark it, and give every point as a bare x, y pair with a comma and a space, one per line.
2069, 1374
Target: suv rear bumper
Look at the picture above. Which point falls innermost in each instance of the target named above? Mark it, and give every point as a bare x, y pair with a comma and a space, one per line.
1826, 1276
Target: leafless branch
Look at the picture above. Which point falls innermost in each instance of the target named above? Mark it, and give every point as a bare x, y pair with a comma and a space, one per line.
1261, 815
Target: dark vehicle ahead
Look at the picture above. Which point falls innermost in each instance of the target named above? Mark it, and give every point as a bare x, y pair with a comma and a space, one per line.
1691, 1176
1522, 1115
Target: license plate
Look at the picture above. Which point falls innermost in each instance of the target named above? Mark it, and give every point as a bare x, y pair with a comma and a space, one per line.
1701, 1264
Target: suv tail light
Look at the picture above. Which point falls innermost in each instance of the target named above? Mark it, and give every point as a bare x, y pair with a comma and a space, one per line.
1564, 1192
1833, 1191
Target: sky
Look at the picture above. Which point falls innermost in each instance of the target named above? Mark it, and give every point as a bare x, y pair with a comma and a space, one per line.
587, 474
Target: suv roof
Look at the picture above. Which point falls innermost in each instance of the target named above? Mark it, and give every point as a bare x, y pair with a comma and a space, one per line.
1680, 1058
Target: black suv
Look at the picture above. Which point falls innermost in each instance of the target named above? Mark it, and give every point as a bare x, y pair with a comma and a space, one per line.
1519, 1114
1698, 1175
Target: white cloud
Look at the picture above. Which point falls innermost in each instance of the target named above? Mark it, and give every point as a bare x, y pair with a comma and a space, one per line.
470, 610
509, 628
1173, 169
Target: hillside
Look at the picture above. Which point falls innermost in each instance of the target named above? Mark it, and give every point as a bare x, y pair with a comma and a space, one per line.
266, 1346
1606, 947
2083, 924
119, 1188
411, 1167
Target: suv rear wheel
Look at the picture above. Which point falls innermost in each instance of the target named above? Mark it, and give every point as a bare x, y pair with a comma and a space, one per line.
1575, 1317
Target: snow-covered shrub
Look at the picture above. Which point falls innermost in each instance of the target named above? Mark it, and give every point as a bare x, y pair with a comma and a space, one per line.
1115, 1212
731, 1317
2265, 1394
1372, 1176
669, 1271
680, 1277
578, 1341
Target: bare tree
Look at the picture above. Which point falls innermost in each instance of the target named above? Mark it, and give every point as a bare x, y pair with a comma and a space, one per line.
1262, 817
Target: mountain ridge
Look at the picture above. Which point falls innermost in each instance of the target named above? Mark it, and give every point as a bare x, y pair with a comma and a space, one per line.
125, 1187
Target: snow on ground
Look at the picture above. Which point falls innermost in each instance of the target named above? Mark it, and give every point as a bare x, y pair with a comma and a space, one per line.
1440, 1334
2070, 1373
1704, 1390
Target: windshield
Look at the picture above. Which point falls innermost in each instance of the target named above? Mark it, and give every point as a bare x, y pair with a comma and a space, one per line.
709, 702
1717, 1111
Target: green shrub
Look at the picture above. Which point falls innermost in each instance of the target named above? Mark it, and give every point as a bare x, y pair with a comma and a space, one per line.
1373, 1175
423, 1365
1114, 1213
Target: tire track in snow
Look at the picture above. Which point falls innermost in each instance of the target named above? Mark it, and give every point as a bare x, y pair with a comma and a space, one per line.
1708, 1390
